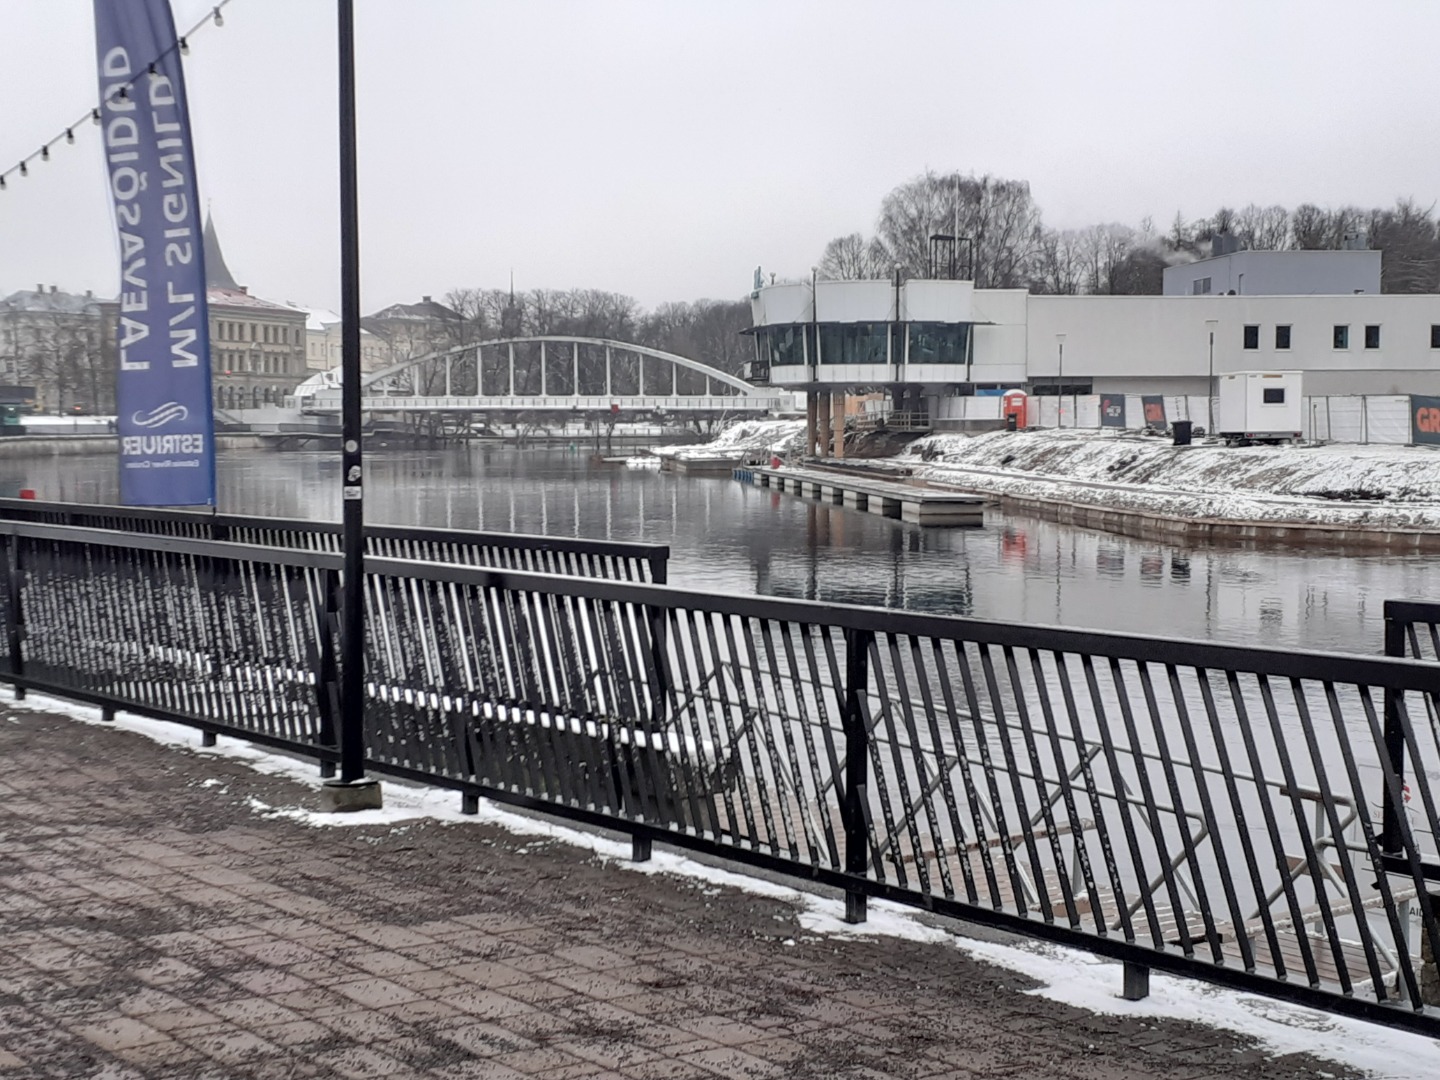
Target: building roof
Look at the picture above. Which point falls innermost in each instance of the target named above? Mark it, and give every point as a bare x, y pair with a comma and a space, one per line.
52, 300
216, 272
237, 297
427, 310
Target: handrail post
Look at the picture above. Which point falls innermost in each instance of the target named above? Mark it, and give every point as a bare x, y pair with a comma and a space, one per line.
1394, 736
14, 615
854, 809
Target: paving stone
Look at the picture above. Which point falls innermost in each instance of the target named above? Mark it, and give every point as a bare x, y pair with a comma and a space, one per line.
154, 929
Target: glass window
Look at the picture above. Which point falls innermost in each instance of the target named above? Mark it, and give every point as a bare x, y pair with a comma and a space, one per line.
853, 343
1273, 395
1341, 337
1435, 336
1372, 337
1252, 337
784, 345
1282, 337
939, 343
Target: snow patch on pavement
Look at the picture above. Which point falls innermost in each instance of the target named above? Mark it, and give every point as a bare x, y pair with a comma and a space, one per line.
1067, 976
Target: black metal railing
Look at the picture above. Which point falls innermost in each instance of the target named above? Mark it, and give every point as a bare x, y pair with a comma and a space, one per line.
1204, 809
620, 560
1412, 629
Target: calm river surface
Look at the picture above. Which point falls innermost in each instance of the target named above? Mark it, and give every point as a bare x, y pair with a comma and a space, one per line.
730, 537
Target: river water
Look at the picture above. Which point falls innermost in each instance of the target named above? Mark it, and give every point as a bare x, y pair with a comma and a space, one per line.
726, 536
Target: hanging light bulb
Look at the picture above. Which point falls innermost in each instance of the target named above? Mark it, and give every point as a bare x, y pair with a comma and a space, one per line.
95, 116
184, 47
219, 19
23, 170
69, 135
2, 183
44, 153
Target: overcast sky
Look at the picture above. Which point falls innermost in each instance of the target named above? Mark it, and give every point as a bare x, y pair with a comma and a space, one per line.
665, 149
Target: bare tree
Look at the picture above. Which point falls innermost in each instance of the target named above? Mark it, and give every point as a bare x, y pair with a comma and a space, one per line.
997, 215
853, 258
1263, 228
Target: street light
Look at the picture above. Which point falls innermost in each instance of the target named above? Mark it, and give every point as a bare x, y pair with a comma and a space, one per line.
1210, 325
1060, 385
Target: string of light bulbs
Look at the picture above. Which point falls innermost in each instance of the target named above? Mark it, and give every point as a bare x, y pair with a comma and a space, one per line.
67, 135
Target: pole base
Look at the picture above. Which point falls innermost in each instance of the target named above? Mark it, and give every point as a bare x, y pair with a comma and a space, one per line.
343, 797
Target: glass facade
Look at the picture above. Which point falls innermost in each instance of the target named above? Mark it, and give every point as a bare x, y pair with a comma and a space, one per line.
783, 345
939, 343
854, 343
872, 343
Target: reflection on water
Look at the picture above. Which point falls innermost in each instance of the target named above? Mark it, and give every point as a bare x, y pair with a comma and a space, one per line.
731, 537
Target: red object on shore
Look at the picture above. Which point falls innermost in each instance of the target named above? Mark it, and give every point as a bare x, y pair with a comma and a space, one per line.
27, 493
774, 463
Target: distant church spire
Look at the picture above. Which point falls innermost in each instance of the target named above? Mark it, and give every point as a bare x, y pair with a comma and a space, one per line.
217, 274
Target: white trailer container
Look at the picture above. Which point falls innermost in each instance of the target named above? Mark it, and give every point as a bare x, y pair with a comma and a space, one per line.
1259, 406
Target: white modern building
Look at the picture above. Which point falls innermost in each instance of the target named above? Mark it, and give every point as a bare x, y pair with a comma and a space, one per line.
926, 340
1276, 273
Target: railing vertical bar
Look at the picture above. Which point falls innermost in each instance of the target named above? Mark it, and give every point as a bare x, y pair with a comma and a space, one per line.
1307, 842
1022, 811
1065, 792
1085, 755
1127, 821
987, 769
977, 835
1187, 841
1221, 740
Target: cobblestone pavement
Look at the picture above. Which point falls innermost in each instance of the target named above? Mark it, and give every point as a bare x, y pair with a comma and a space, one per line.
153, 925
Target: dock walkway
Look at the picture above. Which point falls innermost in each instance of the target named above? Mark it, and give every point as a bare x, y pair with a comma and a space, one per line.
888, 498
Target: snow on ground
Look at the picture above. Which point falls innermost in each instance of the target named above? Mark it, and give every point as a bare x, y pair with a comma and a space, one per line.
743, 438
1066, 975
1373, 487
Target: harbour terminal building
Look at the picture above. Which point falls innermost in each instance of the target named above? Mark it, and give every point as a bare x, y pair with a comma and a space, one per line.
928, 344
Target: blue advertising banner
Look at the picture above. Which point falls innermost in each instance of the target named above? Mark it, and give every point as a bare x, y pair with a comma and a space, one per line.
162, 385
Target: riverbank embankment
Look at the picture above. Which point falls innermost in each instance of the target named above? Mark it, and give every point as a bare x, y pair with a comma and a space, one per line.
1387, 494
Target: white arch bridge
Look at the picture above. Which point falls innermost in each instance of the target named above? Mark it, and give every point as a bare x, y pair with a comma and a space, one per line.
552, 373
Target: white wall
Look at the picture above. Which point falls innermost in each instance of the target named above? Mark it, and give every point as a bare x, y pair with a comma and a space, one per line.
1165, 336
1279, 273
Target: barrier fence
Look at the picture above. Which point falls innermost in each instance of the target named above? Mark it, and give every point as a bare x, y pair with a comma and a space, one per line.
1351, 418
1203, 809
621, 560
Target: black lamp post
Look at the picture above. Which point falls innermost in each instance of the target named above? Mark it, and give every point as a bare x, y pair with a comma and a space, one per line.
351, 791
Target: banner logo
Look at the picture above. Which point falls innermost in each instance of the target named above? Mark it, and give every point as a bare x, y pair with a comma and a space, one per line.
163, 336
160, 415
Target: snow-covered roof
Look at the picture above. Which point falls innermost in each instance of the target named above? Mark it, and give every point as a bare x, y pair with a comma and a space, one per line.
39, 300
219, 296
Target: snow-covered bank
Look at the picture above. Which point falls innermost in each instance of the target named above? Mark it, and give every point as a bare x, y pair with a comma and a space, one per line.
742, 439
1378, 488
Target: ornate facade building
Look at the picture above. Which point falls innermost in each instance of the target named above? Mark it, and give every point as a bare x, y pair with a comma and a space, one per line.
50, 341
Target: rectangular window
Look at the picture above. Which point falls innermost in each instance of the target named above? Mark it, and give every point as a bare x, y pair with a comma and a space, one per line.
1341, 337
1273, 395
1200, 287
1282, 337
1372, 337
1252, 337
1435, 337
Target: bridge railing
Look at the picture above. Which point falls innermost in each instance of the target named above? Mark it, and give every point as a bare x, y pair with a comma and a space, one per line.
621, 560
1203, 809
